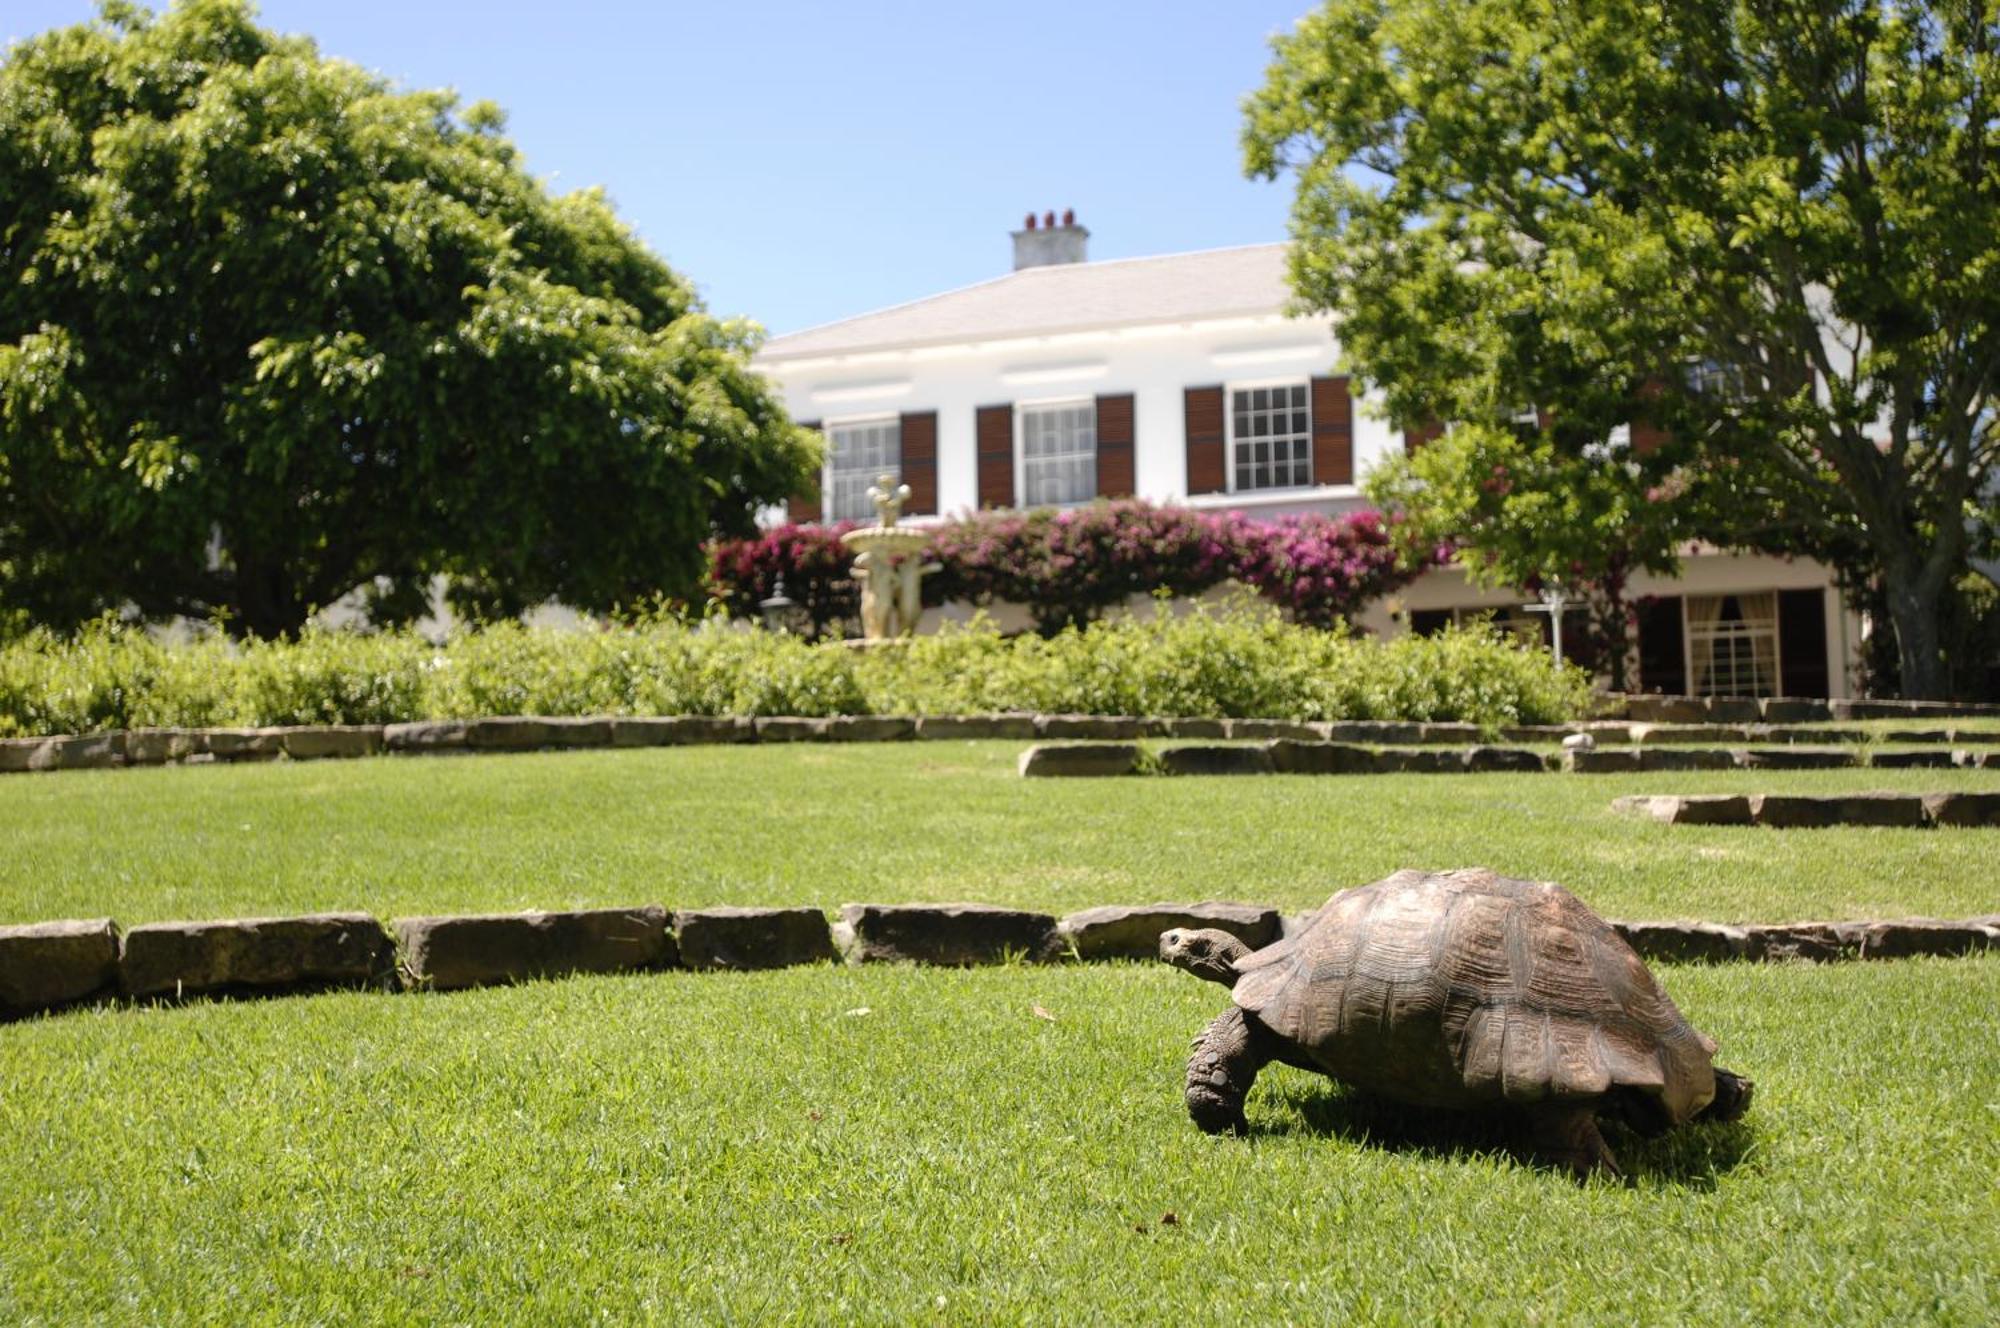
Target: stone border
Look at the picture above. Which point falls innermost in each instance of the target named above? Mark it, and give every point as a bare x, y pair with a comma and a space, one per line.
1780, 709
51, 966
527, 733
1796, 811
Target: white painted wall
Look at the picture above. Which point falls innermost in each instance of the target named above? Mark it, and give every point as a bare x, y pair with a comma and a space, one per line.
1155, 363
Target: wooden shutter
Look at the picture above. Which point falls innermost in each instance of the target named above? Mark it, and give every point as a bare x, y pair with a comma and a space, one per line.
1427, 432
805, 507
1332, 432
1114, 447
993, 431
1207, 468
919, 471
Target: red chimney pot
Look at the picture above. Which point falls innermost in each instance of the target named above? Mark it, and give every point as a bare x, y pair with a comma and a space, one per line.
1031, 221
1069, 216
1050, 220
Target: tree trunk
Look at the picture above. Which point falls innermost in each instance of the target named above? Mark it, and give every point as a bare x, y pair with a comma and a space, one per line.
1913, 609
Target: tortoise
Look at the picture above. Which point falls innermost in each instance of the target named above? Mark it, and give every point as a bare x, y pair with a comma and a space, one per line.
1461, 990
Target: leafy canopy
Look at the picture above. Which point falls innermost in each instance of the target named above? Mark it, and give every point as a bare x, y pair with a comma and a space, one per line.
1770, 230
271, 329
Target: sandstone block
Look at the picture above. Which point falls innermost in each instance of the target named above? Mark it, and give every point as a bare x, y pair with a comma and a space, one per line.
1321, 758
791, 728
679, 730
1132, 931
1516, 759
160, 746
1734, 710
1654, 735
47, 965
448, 953
1197, 727
322, 741
428, 735
90, 751
242, 954
976, 727
1449, 733
1962, 808
1686, 942
244, 744
1667, 709
1297, 730
1603, 761
1794, 710
1064, 760
1906, 937
1932, 760
1819, 942
745, 938
1686, 758
871, 728
527, 733
1217, 760
1418, 761
1105, 727
950, 934
1793, 811
1797, 758
1391, 732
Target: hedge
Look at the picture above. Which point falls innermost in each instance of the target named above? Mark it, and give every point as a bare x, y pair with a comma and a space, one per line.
1237, 661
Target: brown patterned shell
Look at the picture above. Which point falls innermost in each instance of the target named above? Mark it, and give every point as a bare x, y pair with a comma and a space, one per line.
1454, 989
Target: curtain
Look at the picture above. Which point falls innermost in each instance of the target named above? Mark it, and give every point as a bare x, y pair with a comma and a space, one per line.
1703, 613
1760, 624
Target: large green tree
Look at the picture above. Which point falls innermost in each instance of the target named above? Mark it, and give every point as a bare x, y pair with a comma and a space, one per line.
1770, 229
272, 330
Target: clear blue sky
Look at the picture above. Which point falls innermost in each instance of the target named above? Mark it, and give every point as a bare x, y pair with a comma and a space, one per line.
806, 161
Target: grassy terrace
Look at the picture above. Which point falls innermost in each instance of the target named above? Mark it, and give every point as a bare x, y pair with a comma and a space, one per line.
888, 1144
918, 821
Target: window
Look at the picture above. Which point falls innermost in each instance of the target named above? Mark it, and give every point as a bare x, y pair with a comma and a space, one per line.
1732, 643
857, 454
1270, 437
1058, 453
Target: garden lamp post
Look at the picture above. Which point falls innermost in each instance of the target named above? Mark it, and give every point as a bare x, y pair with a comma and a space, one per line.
776, 610
1553, 600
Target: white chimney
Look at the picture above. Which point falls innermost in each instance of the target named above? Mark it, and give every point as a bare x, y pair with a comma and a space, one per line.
1044, 242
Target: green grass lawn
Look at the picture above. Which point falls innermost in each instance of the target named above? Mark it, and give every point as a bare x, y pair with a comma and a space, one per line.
754, 1148
825, 825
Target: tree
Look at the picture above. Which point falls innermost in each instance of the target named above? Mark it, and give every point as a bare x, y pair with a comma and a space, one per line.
271, 330
1517, 509
1770, 230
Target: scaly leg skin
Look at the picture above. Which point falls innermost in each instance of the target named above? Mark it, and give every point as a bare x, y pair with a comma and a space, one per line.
1565, 1135
1225, 1062
1732, 1098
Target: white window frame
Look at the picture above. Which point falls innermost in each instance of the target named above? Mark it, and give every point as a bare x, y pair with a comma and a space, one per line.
1737, 629
829, 512
1229, 391
1022, 409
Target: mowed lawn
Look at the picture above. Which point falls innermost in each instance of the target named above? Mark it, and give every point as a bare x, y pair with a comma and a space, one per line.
895, 1145
890, 1144
824, 825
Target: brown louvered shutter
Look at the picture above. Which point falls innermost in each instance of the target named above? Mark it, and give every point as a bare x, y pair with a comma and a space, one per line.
1428, 432
1206, 442
920, 461
804, 507
1114, 447
1333, 431
993, 432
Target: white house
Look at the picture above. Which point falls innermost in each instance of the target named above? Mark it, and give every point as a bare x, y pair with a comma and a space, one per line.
1181, 379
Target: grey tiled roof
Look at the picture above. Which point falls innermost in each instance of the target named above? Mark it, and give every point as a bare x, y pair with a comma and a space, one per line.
1070, 297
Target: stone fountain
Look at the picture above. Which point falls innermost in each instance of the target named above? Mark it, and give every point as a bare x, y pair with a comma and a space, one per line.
887, 565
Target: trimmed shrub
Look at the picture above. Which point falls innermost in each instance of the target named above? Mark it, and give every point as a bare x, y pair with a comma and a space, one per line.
1242, 660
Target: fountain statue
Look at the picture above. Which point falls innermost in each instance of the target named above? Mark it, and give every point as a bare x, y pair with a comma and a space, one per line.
886, 565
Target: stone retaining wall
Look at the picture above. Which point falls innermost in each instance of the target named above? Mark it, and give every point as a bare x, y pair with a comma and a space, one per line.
522, 733
53, 965
1795, 811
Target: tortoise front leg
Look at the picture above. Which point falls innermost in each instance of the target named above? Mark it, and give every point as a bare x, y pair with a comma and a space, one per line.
1226, 1059
1565, 1135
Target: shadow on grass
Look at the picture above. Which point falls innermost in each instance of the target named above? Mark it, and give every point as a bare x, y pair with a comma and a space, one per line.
1696, 1156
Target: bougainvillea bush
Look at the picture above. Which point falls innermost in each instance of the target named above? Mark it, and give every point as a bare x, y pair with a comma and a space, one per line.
1069, 567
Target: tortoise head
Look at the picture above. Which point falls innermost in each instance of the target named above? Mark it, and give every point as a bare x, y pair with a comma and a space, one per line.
1206, 952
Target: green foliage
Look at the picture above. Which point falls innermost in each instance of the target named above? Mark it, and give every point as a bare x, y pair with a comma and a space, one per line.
1769, 232
1238, 661
272, 330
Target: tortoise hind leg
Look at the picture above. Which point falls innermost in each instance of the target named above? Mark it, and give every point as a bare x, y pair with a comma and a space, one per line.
1223, 1066
1565, 1135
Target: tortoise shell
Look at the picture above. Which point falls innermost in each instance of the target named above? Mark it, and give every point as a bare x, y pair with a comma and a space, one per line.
1461, 988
